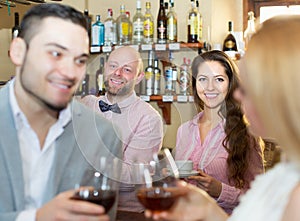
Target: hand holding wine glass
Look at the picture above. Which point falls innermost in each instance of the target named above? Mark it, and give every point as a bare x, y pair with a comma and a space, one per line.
98, 187
158, 189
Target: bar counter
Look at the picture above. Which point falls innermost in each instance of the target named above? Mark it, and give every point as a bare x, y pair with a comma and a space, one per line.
131, 216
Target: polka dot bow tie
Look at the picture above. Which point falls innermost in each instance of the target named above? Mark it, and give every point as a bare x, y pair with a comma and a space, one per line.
106, 107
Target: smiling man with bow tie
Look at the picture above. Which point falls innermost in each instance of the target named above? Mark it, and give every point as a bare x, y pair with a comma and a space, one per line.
141, 125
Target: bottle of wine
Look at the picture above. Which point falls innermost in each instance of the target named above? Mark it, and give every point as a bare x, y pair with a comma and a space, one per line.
110, 37
98, 32
157, 77
100, 88
184, 77
16, 28
193, 23
148, 24
123, 24
138, 24
230, 45
172, 23
130, 27
161, 24
149, 74
200, 22
250, 30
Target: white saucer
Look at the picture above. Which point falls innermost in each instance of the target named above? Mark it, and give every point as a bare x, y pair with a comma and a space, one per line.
187, 174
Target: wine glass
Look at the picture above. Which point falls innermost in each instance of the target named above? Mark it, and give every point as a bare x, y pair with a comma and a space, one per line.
158, 190
97, 186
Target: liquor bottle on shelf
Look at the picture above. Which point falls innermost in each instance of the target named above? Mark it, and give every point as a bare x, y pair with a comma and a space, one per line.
83, 89
172, 24
230, 45
149, 74
184, 77
130, 27
157, 77
16, 28
193, 23
166, 8
123, 24
161, 24
110, 29
170, 77
98, 32
138, 24
250, 30
100, 88
200, 22
89, 23
148, 24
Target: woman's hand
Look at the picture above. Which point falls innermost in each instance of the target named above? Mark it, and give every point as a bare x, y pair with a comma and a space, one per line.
195, 205
209, 184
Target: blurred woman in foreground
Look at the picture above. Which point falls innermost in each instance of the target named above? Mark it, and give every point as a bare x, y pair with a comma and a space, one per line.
269, 93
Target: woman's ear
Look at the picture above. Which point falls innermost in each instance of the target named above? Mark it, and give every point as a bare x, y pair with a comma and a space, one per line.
17, 51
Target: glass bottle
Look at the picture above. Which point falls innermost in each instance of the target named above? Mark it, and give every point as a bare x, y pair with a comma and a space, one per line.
138, 24
250, 30
193, 23
200, 22
161, 24
130, 27
172, 24
149, 74
157, 77
100, 88
16, 28
98, 32
184, 77
148, 24
123, 24
110, 29
230, 41
89, 23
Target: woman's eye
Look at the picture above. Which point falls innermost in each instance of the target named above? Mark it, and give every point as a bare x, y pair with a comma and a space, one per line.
220, 79
201, 79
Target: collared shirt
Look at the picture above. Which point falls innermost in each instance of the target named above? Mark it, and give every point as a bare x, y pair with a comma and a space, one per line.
141, 134
211, 157
36, 160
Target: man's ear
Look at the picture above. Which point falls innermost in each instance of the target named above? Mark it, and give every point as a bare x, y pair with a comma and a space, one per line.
140, 77
17, 51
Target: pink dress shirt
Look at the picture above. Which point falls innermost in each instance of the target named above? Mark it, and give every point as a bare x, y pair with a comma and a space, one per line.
141, 130
210, 156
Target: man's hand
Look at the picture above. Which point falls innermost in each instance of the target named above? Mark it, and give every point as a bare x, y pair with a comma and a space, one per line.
62, 207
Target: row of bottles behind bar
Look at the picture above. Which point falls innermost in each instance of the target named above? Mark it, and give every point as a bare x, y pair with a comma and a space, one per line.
141, 28
159, 79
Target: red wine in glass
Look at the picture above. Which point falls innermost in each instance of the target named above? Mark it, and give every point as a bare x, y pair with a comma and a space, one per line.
158, 198
105, 198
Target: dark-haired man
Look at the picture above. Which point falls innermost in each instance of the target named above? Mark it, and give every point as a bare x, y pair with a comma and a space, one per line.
47, 142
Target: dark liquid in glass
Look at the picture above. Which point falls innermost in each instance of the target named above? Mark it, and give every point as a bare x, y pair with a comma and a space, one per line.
105, 198
158, 198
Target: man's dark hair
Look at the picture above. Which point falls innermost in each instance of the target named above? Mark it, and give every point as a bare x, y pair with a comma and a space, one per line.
32, 20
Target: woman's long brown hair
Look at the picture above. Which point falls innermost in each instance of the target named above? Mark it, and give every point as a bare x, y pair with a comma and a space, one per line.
238, 141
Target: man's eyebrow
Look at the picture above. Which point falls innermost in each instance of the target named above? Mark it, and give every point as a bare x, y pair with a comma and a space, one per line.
57, 45
66, 49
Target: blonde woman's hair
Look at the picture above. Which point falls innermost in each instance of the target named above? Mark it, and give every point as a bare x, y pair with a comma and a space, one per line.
272, 73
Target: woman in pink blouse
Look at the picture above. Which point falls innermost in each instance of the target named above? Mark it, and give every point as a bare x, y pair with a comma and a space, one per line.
217, 138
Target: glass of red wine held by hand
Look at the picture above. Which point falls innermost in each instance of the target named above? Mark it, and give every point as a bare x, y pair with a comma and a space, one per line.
97, 187
158, 190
